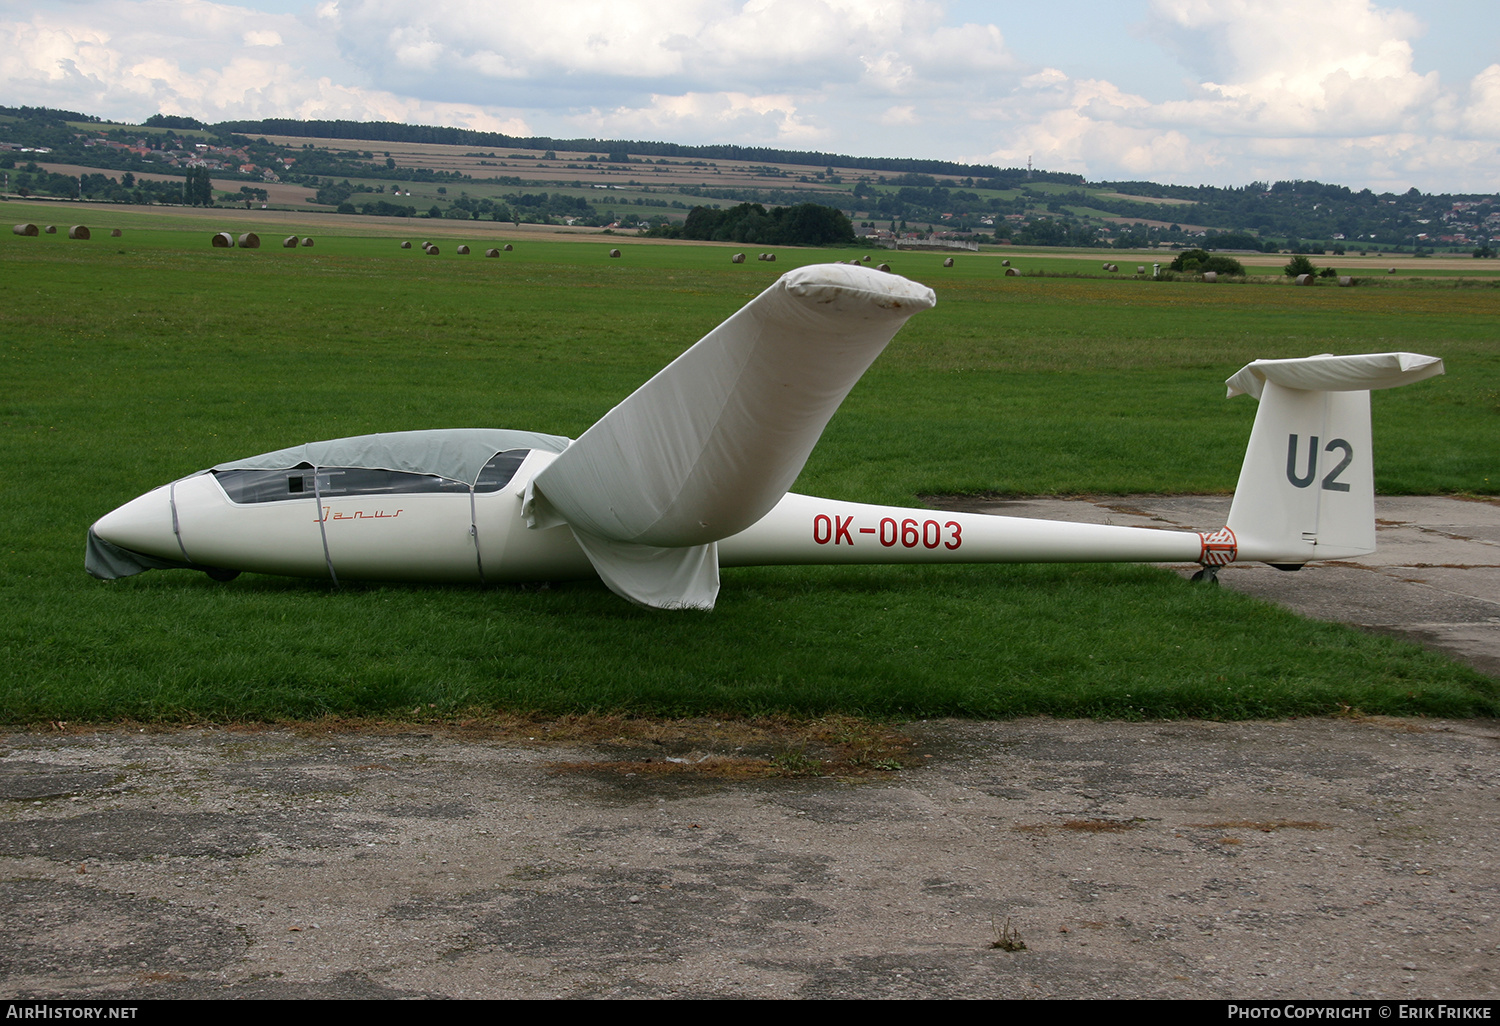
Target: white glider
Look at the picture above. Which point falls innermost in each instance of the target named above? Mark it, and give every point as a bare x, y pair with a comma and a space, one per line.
691, 473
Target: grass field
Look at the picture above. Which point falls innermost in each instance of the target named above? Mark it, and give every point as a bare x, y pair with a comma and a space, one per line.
128, 362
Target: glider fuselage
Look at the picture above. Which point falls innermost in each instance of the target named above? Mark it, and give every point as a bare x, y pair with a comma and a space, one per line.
455, 536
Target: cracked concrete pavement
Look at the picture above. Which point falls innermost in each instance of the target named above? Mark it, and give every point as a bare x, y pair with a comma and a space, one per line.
1314, 858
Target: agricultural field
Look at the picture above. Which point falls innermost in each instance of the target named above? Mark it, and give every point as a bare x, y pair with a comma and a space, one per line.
130, 361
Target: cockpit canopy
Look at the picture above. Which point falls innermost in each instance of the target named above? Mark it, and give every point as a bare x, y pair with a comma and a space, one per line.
392, 463
304, 481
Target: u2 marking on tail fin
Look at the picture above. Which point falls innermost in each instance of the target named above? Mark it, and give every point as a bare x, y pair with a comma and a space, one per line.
1331, 482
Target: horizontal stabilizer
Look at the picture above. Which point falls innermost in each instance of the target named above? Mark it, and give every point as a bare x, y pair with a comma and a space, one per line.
1335, 373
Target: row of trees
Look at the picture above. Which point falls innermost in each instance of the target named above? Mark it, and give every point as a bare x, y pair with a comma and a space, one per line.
806, 224
194, 190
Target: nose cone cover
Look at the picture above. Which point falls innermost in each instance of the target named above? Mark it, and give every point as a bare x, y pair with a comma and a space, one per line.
144, 524
138, 536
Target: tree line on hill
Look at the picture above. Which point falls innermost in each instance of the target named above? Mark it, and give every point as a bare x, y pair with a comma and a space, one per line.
1302, 216
389, 131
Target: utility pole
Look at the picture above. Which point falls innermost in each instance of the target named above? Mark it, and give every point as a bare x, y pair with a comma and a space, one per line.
1028, 167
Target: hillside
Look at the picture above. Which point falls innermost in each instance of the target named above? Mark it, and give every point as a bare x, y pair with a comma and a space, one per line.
391, 170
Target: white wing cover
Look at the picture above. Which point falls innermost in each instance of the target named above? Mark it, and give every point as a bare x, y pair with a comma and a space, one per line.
708, 446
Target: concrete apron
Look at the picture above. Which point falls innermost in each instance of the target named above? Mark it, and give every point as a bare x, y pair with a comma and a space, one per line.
1315, 858
1435, 577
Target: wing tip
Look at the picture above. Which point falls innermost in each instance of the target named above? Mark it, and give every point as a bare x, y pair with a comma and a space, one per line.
830, 283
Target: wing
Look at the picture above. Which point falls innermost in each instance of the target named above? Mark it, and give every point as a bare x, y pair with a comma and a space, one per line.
710, 444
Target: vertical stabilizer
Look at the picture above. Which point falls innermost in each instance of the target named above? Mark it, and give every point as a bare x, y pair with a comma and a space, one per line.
1307, 486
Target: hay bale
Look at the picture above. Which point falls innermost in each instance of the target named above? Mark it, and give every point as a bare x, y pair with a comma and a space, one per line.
1140, 268
614, 253
884, 267
1011, 272
1391, 271
1210, 276
290, 242
1106, 267
1345, 282
1305, 279
1005, 263
307, 241
770, 258
249, 240
463, 250
222, 240
114, 233
492, 252
432, 250
25, 229
866, 258
1113, 268
406, 245
51, 229
738, 258
507, 247
948, 262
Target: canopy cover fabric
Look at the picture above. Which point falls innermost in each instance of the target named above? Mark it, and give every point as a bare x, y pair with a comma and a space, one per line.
1329, 373
458, 454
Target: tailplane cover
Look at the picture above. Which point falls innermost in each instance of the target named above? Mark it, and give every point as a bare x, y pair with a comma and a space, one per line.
1307, 487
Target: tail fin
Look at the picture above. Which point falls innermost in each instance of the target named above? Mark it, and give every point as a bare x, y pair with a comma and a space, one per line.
1307, 486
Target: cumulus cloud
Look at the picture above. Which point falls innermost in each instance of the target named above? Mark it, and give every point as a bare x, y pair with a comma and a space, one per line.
1280, 68
1285, 91
567, 48
1278, 88
128, 59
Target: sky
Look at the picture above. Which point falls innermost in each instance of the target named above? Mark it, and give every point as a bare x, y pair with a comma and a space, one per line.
1220, 92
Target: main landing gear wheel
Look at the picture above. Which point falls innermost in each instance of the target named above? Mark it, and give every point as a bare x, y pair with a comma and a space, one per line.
1208, 575
222, 576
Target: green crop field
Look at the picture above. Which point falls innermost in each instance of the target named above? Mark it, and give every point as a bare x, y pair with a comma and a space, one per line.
127, 362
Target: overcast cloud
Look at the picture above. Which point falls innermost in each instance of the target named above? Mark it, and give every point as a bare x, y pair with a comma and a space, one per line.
1215, 91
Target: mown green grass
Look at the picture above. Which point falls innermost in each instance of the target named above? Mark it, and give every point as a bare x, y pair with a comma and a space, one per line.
127, 362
